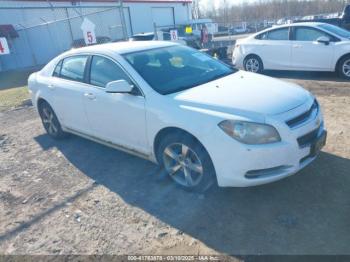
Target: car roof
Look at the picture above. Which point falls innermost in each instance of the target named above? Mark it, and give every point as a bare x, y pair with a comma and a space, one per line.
297, 24
122, 47
144, 34
306, 23
312, 24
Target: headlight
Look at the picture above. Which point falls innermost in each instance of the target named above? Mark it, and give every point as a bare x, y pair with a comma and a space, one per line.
249, 132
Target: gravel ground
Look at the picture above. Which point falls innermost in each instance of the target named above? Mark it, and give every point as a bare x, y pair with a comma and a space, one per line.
78, 197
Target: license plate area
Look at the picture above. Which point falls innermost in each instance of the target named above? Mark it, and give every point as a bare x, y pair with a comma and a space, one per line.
318, 144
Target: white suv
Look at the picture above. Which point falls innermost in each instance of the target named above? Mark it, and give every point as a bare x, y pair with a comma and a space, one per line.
197, 117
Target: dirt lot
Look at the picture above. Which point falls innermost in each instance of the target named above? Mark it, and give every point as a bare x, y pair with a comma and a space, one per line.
79, 197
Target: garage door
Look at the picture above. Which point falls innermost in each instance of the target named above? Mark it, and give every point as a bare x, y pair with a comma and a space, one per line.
163, 16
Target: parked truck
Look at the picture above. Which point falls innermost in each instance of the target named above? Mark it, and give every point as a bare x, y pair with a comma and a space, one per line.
341, 20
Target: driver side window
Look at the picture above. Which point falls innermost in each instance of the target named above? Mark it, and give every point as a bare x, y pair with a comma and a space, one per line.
308, 34
104, 70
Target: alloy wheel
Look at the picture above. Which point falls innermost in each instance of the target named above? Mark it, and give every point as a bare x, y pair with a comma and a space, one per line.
48, 119
252, 65
183, 164
346, 68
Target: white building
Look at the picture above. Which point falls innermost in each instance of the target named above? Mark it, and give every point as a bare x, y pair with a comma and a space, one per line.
47, 28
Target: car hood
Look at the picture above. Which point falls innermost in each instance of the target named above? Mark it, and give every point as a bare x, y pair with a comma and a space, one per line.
243, 93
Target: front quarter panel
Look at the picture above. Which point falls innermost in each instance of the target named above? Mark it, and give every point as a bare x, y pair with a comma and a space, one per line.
164, 111
341, 49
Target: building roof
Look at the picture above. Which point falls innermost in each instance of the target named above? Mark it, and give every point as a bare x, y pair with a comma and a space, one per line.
124, 1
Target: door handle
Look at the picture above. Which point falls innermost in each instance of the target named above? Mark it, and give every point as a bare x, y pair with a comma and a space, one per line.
90, 96
296, 46
51, 87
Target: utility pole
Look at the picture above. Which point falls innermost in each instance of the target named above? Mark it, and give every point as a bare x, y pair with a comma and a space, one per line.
225, 13
122, 18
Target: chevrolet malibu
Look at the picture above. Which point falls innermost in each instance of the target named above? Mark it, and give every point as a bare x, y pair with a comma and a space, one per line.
198, 118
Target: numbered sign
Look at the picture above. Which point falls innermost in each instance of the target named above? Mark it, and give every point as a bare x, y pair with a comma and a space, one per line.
88, 29
4, 48
173, 35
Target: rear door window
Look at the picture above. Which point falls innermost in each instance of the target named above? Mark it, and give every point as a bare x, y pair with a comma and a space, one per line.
73, 68
278, 34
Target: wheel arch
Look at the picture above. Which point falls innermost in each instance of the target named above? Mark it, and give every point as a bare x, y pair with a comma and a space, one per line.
252, 55
40, 101
162, 133
339, 59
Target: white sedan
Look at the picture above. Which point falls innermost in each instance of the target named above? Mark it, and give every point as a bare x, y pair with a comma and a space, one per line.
305, 46
197, 117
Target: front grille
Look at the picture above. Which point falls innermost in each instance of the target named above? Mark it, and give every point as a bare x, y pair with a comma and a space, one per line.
273, 171
303, 117
308, 138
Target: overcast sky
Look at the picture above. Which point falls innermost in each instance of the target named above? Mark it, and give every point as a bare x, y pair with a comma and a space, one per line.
209, 4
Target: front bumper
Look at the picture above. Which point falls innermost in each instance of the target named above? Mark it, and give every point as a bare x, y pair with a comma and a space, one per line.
241, 165
237, 58
315, 147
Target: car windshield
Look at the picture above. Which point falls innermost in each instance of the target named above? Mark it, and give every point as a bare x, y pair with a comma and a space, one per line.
175, 68
336, 30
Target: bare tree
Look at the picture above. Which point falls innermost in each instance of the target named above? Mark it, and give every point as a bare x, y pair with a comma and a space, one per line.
273, 9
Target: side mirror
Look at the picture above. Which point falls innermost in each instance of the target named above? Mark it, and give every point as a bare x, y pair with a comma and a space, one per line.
119, 86
324, 40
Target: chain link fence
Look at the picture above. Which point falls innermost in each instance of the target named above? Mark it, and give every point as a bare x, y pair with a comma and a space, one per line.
45, 32
190, 34
242, 27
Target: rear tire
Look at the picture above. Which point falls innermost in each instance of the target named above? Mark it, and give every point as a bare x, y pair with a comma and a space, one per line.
50, 121
186, 162
344, 67
253, 63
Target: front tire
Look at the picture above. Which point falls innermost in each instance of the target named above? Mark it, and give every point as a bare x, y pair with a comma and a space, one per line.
186, 162
344, 67
253, 64
50, 121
